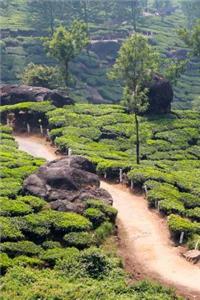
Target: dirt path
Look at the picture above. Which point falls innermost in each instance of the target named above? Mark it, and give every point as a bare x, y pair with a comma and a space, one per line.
143, 233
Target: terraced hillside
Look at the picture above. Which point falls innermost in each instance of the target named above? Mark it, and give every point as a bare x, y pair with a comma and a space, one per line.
170, 155
21, 45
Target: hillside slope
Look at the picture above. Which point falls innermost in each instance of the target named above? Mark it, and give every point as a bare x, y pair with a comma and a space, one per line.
21, 45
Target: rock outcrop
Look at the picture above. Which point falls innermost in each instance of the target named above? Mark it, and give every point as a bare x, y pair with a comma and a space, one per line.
12, 94
66, 184
160, 95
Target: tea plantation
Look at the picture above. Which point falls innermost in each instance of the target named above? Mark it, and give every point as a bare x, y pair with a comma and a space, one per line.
47, 254
170, 156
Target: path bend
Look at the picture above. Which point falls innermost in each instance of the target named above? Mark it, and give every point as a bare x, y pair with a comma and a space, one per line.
145, 234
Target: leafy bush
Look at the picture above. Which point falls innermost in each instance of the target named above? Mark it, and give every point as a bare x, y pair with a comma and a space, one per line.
67, 222
178, 224
108, 210
21, 248
13, 207
95, 263
9, 229
51, 256
194, 242
79, 240
194, 213
189, 200
41, 75
171, 206
25, 261
5, 262
103, 231
95, 216
51, 244
35, 202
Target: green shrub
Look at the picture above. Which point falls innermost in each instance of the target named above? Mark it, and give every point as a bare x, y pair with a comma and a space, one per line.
171, 206
194, 213
189, 200
51, 245
103, 231
95, 216
108, 210
194, 242
10, 187
38, 224
35, 202
178, 224
43, 222
21, 248
51, 256
41, 75
79, 240
163, 192
9, 229
95, 263
13, 207
5, 262
25, 261
67, 222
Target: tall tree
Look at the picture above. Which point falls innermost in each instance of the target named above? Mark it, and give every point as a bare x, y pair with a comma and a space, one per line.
135, 65
66, 44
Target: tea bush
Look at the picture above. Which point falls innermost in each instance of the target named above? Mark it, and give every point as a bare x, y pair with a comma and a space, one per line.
20, 248
10, 207
79, 240
95, 216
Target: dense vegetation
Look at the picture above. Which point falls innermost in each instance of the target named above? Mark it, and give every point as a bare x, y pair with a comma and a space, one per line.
46, 254
23, 20
170, 155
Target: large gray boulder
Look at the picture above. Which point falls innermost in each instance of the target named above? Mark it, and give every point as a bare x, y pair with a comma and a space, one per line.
12, 94
66, 184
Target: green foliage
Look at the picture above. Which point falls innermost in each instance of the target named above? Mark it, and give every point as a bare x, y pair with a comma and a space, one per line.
65, 45
9, 229
95, 216
41, 75
178, 224
194, 242
13, 207
79, 240
108, 210
5, 262
43, 222
95, 263
20, 248
35, 202
41, 107
103, 231
192, 38
55, 254
67, 222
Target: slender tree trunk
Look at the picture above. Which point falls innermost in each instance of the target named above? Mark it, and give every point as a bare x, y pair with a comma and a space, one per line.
137, 140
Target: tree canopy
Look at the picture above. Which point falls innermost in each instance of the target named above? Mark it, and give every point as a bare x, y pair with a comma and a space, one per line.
66, 44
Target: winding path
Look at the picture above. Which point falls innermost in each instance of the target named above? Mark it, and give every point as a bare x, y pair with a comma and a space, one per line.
144, 233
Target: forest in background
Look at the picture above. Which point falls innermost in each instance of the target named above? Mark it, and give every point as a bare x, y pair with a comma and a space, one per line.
24, 22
